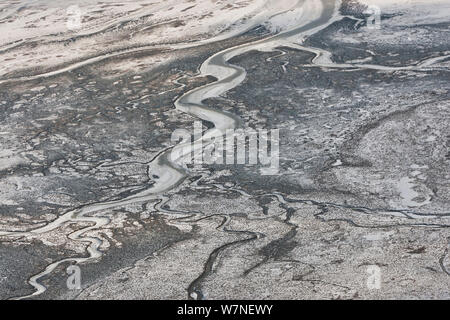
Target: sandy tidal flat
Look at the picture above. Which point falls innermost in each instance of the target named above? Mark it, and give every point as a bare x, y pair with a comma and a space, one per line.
91, 93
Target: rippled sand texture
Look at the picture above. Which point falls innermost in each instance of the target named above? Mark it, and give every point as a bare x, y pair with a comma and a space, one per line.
87, 175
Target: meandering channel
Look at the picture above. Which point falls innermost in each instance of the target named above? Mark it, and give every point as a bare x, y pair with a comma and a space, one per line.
165, 165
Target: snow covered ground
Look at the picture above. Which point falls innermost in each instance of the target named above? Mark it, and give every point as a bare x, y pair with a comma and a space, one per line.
41, 34
88, 97
415, 11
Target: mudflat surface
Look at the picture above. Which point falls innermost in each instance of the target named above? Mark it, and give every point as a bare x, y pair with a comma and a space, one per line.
86, 120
